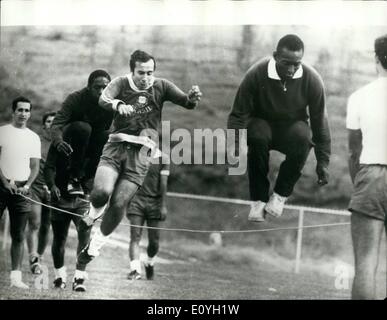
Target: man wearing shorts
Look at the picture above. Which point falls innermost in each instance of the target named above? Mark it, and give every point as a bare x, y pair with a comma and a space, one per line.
19, 167
39, 217
367, 126
149, 204
57, 175
137, 99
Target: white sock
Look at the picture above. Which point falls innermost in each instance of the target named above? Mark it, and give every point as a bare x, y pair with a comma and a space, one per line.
97, 242
79, 274
95, 213
279, 196
16, 275
61, 273
150, 261
135, 265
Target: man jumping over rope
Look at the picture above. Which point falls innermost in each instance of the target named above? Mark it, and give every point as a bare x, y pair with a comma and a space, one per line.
137, 99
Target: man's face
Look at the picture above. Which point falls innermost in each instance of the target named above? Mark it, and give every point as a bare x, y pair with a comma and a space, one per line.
48, 122
21, 114
143, 74
288, 62
97, 87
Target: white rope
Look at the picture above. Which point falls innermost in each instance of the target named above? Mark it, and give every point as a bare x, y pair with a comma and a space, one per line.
196, 230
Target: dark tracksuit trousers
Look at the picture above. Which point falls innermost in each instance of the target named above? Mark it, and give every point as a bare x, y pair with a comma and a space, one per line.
292, 139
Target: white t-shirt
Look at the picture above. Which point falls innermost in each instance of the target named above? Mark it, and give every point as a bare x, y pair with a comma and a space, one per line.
367, 111
17, 147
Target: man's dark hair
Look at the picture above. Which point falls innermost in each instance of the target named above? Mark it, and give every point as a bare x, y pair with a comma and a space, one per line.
20, 99
291, 42
95, 74
140, 56
381, 50
46, 115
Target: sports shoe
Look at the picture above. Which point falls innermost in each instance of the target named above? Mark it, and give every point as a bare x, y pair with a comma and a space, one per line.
84, 257
149, 271
35, 266
19, 284
275, 206
78, 285
134, 275
59, 283
257, 212
75, 187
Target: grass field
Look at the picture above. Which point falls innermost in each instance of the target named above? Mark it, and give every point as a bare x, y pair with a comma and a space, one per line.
253, 267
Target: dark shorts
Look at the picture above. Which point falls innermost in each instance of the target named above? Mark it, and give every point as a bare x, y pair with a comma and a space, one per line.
16, 204
125, 158
39, 193
370, 195
146, 207
74, 205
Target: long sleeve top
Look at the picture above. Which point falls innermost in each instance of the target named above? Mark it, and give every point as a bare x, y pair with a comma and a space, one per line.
263, 95
80, 106
147, 104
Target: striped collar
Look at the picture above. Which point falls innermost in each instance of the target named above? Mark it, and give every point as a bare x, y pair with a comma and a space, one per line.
272, 71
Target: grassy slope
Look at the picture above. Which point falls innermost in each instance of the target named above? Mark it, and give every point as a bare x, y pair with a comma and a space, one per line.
49, 63
54, 61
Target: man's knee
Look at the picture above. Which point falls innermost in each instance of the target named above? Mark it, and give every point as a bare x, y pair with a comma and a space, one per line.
34, 226
300, 135
17, 236
59, 240
99, 196
77, 129
259, 133
135, 236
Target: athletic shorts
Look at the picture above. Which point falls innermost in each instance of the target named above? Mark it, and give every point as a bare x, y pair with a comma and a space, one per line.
75, 205
370, 195
16, 204
39, 193
125, 158
146, 207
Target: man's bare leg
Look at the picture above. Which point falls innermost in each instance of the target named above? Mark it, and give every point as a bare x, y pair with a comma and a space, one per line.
366, 238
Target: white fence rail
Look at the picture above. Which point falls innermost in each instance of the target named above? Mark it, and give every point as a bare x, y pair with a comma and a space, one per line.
301, 211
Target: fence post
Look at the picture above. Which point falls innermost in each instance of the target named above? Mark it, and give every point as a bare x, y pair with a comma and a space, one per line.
6, 227
299, 240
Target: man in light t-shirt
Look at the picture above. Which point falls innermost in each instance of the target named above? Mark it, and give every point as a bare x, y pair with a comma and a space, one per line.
367, 124
19, 166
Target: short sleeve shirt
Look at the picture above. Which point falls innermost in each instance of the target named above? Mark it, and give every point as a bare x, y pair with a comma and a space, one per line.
367, 111
18, 146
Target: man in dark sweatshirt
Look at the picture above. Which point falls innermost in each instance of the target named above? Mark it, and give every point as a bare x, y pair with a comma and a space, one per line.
80, 130
281, 103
